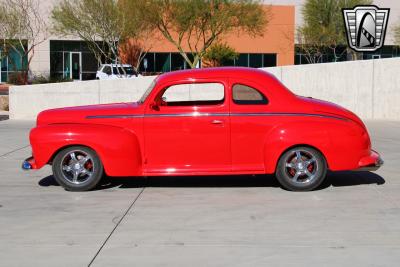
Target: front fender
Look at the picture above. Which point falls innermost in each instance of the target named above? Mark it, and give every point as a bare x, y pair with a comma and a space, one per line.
118, 148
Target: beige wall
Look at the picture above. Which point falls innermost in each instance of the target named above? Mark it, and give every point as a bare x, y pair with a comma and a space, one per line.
369, 88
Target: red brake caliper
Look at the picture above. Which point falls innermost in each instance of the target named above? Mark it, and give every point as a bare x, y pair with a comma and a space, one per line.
310, 167
292, 172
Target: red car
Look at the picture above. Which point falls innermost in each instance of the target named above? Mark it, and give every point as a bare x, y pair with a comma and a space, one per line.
220, 121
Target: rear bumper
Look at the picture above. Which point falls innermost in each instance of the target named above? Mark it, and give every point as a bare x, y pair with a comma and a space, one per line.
29, 164
371, 162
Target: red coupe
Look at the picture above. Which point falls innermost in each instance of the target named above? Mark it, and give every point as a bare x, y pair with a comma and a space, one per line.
217, 121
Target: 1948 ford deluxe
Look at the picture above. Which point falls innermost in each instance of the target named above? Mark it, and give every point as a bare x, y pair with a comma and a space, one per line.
218, 121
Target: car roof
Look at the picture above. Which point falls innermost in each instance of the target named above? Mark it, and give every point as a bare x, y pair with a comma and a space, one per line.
204, 73
252, 74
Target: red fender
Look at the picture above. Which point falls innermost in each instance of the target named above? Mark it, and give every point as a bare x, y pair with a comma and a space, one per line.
342, 150
118, 148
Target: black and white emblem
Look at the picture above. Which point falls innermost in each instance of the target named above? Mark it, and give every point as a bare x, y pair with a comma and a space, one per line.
366, 27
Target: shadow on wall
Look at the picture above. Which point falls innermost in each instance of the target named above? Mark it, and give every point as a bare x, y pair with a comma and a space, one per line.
334, 179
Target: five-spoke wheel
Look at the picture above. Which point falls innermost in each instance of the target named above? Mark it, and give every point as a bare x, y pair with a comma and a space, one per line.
301, 169
77, 168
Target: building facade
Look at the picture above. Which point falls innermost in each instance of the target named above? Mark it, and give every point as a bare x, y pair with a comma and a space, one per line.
70, 58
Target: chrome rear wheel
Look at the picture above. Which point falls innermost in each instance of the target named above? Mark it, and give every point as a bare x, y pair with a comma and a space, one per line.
301, 169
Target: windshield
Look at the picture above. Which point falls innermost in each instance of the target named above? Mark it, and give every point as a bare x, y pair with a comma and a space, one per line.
147, 92
119, 70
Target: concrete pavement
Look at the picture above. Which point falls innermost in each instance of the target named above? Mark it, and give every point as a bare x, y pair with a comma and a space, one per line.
353, 220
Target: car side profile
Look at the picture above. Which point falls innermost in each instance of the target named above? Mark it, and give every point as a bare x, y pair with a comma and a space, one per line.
216, 121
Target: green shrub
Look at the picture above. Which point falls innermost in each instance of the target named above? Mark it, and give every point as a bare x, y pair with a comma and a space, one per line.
220, 54
41, 79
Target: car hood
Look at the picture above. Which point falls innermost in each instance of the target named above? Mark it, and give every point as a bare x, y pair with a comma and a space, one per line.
80, 114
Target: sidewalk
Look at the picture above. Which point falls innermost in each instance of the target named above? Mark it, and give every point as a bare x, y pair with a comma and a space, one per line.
352, 220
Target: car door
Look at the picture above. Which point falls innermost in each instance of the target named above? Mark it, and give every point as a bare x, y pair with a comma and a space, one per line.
249, 125
188, 130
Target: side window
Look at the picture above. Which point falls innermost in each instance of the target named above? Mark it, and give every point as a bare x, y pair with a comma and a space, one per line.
107, 70
246, 95
194, 94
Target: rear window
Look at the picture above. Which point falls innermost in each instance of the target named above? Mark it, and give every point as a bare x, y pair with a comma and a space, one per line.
246, 95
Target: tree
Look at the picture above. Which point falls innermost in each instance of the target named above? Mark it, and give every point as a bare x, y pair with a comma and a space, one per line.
22, 29
219, 54
104, 25
139, 36
99, 23
194, 25
310, 46
324, 26
397, 35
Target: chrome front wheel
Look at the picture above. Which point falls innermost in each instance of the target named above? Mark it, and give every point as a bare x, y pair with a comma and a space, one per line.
77, 168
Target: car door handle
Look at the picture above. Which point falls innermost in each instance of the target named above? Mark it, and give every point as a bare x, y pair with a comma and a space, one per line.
217, 122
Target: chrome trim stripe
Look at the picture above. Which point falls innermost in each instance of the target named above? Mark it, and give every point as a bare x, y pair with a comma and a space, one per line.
198, 114
125, 116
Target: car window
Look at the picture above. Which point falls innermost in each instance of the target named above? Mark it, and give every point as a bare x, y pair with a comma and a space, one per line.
194, 94
118, 70
246, 95
129, 70
148, 91
107, 70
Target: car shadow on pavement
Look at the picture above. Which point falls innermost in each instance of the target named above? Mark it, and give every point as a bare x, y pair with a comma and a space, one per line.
334, 179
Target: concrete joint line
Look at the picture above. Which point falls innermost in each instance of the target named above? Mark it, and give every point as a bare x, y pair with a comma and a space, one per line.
15, 150
373, 91
99, 92
116, 226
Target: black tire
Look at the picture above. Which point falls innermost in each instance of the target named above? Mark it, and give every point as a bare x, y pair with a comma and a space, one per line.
77, 168
304, 174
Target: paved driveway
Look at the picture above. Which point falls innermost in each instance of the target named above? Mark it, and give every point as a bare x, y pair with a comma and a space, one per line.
353, 220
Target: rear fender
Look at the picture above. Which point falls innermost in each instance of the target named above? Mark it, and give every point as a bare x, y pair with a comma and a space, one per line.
118, 148
288, 135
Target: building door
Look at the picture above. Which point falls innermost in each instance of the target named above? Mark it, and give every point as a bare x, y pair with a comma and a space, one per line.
76, 65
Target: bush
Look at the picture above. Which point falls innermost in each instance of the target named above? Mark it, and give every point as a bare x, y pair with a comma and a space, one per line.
16, 78
41, 79
219, 55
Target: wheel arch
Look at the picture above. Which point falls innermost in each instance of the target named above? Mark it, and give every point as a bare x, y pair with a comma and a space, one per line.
286, 136
50, 161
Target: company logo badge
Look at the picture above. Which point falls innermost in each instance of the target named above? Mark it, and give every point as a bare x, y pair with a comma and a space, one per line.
366, 27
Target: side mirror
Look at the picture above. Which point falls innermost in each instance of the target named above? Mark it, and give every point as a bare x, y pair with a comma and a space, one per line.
154, 106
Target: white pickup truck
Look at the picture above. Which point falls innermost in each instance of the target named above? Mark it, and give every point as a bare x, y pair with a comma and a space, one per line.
116, 71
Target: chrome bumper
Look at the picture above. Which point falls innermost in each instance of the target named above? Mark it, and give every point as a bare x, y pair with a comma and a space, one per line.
371, 163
